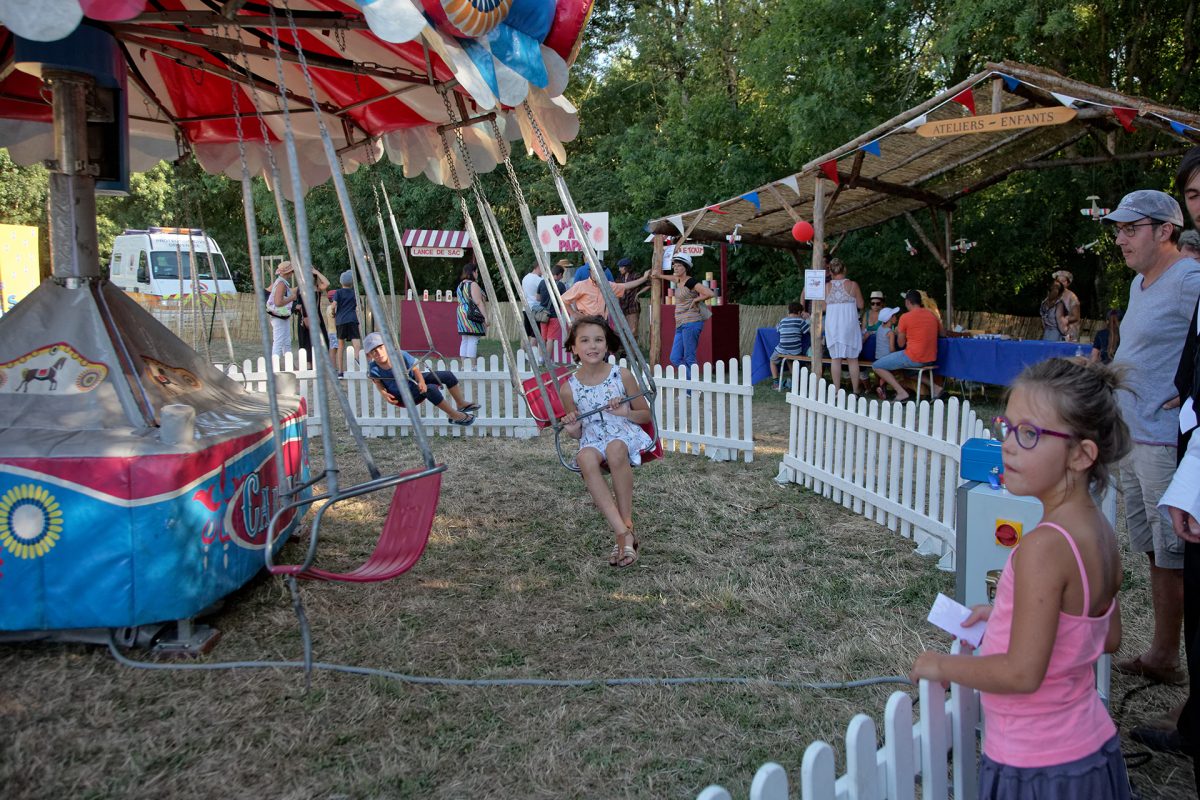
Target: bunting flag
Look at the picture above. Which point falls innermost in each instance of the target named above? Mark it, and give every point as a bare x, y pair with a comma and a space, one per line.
917, 122
1125, 116
791, 182
1065, 99
872, 148
752, 199
715, 208
830, 170
677, 221
1179, 127
966, 98
1010, 82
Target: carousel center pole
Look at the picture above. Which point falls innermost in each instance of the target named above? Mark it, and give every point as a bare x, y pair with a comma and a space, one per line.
74, 252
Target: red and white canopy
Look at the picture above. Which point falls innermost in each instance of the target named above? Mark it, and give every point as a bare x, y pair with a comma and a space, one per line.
195, 67
429, 238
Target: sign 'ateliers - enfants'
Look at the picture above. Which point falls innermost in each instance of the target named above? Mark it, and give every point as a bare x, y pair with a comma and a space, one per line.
990, 123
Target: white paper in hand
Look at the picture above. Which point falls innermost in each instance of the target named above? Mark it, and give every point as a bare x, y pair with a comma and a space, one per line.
949, 615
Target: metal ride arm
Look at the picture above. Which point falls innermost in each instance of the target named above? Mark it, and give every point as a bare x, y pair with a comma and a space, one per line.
641, 369
495, 240
360, 261
408, 274
531, 231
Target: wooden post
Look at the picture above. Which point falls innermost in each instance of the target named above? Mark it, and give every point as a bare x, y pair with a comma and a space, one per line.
948, 319
724, 273
818, 262
656, 298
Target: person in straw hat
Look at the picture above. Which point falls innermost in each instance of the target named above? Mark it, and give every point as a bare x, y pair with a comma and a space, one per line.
280, 297
871, 319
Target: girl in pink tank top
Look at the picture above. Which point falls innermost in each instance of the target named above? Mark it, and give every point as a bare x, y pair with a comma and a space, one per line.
1047, 733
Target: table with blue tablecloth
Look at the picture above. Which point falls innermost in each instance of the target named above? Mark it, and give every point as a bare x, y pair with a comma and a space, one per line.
998, 361
765, 342
995, 361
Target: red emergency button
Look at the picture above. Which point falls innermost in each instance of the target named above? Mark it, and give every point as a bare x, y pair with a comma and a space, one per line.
1007, 533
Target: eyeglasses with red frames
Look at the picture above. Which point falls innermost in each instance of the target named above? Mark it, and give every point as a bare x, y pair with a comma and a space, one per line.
1028, 434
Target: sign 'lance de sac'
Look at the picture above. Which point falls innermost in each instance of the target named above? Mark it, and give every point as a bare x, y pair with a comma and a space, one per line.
992, 123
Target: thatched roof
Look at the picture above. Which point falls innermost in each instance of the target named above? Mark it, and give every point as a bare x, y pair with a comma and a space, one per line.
912, 172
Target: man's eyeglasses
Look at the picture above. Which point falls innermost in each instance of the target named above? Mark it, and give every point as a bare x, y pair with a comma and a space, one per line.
876, 302
1129, 231
1027, 433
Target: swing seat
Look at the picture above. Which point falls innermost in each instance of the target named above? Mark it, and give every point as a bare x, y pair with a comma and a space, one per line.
534, 400
404, 535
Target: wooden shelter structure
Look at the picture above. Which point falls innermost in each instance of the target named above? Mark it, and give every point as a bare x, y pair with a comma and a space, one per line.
1006, 118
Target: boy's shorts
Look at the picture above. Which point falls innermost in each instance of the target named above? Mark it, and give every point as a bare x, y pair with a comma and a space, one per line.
348, 331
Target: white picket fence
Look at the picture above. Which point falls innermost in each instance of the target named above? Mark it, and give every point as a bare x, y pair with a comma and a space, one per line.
710, 414
939, 750
894, 463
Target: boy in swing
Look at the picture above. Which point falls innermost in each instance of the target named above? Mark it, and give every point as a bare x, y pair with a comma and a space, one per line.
384, 378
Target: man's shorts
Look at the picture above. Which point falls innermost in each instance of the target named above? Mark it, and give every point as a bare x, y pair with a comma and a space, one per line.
348, 331
525, 321
1145, 475
897, 360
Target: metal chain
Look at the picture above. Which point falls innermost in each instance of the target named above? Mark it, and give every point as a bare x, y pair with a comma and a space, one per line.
443, 91
537, 130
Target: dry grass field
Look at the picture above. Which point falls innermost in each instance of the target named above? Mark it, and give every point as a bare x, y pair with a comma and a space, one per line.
738, 577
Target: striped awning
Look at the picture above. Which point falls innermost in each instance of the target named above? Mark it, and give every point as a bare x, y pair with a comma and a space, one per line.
426, 238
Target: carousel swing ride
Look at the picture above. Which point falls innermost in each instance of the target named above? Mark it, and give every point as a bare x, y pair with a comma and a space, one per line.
139, 485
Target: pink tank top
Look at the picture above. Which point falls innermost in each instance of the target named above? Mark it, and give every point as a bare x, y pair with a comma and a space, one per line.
1064, 718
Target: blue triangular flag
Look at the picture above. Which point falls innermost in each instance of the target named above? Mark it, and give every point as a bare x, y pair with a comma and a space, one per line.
1010, 82
1179, 127
872, 148
752, 197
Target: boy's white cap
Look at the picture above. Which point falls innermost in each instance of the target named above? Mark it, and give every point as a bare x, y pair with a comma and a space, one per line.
374, 339
886, 314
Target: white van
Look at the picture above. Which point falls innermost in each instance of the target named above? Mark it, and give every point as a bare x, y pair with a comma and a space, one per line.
151, 262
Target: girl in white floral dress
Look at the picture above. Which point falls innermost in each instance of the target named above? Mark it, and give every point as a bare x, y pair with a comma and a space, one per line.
612, 436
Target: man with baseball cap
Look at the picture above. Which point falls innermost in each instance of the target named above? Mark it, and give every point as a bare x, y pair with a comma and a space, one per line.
1162, 298
381, 374
1182, 502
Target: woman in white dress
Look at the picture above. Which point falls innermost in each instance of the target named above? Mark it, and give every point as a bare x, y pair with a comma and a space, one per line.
843, 336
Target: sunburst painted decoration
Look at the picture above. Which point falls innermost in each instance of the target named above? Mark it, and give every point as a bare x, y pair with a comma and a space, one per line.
30, 521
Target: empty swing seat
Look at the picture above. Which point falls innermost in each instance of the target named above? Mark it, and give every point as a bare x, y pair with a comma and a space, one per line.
403, 538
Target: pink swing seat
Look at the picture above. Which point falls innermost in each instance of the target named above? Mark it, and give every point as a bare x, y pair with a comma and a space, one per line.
402, 540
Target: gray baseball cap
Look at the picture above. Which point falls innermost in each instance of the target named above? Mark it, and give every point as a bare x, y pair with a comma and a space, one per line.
1151, 203
373, 340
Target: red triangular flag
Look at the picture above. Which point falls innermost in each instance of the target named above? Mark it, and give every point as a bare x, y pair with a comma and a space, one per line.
830, 170
966, 98
1125, 116
716, 209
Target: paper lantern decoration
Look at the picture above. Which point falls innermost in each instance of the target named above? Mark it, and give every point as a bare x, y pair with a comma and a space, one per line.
802, 231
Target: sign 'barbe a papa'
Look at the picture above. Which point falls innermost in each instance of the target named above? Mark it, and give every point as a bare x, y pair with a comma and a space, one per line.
557, 234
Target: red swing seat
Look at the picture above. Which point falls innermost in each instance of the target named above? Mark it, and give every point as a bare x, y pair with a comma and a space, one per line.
402, 540
537, 409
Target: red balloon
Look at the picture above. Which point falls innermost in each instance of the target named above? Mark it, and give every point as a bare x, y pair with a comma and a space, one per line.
802, 231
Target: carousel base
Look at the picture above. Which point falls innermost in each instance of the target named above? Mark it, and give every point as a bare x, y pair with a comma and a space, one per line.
137, 482
180, 639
